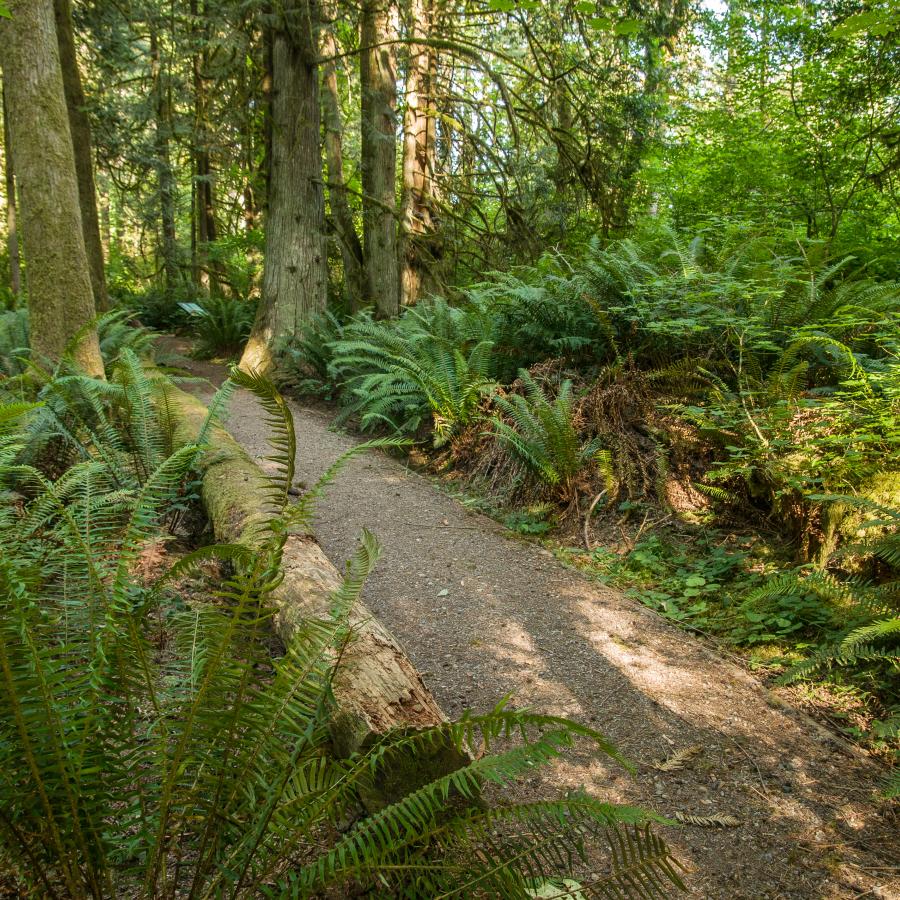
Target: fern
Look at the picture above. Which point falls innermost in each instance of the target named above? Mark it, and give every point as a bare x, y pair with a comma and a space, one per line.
214, 756
541, 433
221, 325
396, 374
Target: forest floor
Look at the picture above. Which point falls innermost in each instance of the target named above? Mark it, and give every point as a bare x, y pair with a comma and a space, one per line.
484, 614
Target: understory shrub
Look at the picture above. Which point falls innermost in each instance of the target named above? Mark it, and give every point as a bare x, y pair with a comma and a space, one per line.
13, 341
541, 432
434, 361
220, 325
116, 331
776, 366
305, 360
152, 745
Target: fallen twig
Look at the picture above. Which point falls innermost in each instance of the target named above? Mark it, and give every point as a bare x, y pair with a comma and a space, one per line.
587, 519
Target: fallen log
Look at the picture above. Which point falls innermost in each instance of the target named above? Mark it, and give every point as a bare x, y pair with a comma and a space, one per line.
376, 687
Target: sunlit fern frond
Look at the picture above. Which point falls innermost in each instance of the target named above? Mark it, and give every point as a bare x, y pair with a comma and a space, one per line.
282, 437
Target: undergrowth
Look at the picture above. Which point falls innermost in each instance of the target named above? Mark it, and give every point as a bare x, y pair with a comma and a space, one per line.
729, 382
153, 745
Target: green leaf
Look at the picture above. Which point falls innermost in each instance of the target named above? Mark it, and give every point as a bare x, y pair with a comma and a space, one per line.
625, 27
876, 22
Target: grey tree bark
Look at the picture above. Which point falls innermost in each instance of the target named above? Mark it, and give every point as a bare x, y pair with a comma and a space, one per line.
378, 86
12, 235
60, 296
419, 243
295, 272
341, 214
80, 127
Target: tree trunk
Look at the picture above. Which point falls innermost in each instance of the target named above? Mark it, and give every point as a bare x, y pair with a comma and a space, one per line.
419, 250
60, 296
105, 226
204, 195
81, 141
378, 86
295, 272
165, 175
351, 249
376, 688
12, 236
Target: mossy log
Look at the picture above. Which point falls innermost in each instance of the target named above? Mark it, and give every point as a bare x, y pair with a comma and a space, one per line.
376, 687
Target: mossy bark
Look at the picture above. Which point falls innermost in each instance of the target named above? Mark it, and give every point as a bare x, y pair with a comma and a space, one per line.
341, 214
12, 235
377, 688
60, 296
419, 239
81, 141
295, 272
378, 123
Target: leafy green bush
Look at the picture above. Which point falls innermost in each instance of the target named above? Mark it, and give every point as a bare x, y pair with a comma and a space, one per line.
305, 361
862, 643
14, 342
117, 331
220, 325
696, 583
152, 746
783, 445
541, 432
156, 308
542, 312
236, 259
433, 361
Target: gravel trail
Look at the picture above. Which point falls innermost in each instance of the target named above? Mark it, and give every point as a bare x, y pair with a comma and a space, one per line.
483, 615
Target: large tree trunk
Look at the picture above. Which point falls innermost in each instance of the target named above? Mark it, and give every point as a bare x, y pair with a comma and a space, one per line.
378, 86
376, 688
165, 175
12, 235
351, 248
419, 250
295, 272
81, 141
60, 297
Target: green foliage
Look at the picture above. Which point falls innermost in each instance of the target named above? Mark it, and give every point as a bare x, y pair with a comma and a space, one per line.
543, 312
838, 624
234, 260
220, 325
156, 308
530, 521
305, 361
433, 361
14, 344
862, 646
152, 746
541, 433
695, 584
118, 331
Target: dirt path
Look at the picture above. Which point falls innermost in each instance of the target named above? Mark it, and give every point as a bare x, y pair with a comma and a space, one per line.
483, 615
